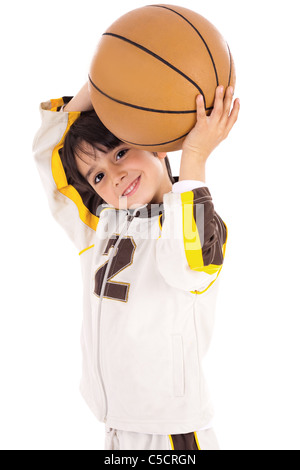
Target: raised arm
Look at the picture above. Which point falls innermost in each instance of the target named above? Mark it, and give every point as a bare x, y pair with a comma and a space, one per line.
81, 102
207, 134
66, 204
191, 249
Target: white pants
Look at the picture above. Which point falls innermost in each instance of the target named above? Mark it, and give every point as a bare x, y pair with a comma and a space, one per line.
123, 440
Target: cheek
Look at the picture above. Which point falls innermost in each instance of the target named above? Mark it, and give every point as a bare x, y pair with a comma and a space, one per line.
103, 192
145, 164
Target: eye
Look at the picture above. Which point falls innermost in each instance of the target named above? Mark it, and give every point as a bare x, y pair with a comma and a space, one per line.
98, 178
121, 153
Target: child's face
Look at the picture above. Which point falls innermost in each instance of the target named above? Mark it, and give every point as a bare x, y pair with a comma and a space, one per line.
112, 173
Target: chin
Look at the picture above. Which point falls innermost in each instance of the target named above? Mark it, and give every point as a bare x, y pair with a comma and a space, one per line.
134, 205
125, 204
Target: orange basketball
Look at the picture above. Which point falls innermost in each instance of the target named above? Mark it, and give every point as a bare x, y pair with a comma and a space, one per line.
149, 67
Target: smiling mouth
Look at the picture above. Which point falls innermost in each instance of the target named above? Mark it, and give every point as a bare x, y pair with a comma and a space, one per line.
132, 188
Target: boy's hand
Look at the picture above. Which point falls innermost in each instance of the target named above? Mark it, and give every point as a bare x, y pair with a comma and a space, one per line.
209, 131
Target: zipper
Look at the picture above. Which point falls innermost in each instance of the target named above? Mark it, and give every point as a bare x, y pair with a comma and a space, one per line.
98, 345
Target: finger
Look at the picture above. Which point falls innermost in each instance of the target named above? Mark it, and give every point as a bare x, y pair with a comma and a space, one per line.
227, 104
201, 114
218, 103
233, 116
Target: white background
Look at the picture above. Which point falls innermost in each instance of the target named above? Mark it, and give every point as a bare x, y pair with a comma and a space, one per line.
253, 363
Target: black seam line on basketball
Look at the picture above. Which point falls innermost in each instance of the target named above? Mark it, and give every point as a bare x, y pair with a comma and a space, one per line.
199, 34
230, 58
162, 111
154, 145
158, 58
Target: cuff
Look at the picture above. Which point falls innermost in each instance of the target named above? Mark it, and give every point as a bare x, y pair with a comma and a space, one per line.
187, 185
56, 105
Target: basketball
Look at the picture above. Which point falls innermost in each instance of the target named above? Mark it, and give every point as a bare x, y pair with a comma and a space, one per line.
147, 70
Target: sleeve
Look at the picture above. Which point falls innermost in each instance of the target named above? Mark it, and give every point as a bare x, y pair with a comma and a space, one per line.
66, 204
186, 185
191, 248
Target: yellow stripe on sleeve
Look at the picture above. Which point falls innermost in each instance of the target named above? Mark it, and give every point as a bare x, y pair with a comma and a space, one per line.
224, 251
191, 238
60, 178
56, 104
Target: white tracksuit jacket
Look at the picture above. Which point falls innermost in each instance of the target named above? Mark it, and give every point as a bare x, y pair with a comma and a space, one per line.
150, 285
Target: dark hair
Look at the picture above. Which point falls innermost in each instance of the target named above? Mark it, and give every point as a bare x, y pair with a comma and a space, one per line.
88, 128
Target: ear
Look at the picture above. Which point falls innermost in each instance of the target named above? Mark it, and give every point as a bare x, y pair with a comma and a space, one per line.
161, 155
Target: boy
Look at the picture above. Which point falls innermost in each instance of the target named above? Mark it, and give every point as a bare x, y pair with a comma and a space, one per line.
149, 271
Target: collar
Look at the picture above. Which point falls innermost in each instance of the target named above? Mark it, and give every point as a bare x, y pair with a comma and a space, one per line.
146, 211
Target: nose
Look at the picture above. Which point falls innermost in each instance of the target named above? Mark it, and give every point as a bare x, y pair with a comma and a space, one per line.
117, 174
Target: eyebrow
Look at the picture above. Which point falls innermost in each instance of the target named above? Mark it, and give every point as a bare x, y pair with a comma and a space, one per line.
90, 172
